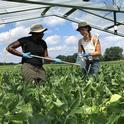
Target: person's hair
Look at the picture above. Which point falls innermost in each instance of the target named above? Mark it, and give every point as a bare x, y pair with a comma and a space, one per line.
89, 28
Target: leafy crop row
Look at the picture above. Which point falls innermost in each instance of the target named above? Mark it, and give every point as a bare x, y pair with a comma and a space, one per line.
65, 98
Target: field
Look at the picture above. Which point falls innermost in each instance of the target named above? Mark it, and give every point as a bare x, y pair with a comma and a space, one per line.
65, 98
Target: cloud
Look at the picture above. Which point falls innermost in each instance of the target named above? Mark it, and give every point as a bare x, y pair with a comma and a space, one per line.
62, 50
7, 57
56, 48
53, 21
19, 32
13, 34
71, 40
81, 16
110, 41
4, 37
50, 21
9, 37
68, 47
53, 40
57, 10
28, 23
113, 38
74, 25
47, 22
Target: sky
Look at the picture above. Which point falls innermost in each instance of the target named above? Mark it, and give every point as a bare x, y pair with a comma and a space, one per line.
61, 36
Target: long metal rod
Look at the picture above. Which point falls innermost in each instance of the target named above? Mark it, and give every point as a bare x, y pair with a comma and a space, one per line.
108, 31
47, 8
23, 10
70, 12
119, 34
111, 9
48, 58
19, 20
45, 11
120, 23
117, 24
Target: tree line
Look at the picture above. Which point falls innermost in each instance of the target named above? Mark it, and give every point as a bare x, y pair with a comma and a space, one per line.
110, 54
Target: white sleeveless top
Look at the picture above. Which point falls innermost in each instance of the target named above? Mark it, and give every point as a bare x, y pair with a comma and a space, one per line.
89, 46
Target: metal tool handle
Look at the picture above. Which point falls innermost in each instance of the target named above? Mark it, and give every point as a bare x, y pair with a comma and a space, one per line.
47, 58
83, 48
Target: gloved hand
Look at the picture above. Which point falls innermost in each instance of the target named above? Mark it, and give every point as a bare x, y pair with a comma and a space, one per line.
80, 54
86, 54
26, 55
57, 60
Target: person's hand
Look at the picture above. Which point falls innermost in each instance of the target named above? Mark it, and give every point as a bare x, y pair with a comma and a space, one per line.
86, 54
57, 60
26, 55
79, 54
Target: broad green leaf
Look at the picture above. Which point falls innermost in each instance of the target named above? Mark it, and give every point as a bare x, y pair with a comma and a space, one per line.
58, 102
114, 98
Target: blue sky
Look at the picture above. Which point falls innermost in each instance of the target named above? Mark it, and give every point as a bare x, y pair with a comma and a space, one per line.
61, 37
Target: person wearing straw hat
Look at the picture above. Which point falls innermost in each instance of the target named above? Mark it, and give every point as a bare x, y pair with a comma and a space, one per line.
32, 67
89, 48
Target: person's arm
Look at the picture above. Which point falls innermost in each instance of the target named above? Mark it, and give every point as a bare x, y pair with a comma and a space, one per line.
46, 55
79, 47
97, 51
12, 48
52, 59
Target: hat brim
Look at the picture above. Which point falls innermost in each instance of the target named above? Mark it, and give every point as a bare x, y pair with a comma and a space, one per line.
84, 27
38, 31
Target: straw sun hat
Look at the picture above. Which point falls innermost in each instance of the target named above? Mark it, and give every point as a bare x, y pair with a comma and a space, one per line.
37, 28
83, 24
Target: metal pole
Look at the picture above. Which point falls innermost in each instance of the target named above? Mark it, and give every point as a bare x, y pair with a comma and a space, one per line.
48, 58
115, 23
115, 19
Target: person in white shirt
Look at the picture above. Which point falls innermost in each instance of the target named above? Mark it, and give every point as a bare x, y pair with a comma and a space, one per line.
89, 47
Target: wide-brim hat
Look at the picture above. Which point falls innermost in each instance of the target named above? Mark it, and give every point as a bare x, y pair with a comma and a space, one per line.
83, 24
37, 28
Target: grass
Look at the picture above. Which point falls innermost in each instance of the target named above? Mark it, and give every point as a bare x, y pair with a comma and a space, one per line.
4, 68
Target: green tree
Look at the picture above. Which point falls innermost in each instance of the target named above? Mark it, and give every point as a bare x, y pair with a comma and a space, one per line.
113, 53
69, 58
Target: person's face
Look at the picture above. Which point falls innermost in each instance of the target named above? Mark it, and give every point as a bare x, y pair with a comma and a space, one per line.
38, 35
84, 31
